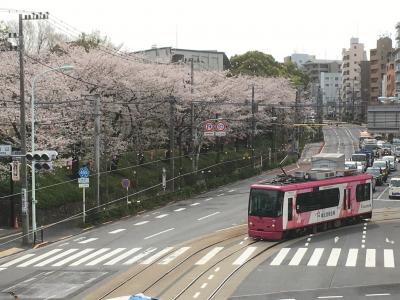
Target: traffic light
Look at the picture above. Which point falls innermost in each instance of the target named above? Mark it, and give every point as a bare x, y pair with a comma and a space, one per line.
43, 159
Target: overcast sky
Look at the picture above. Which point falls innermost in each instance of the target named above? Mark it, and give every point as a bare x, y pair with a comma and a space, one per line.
277, 27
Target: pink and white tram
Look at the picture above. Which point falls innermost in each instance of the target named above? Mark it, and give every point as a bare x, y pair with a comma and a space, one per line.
278, 209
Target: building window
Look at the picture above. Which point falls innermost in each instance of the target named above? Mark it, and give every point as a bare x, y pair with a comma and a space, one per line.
355, 54
336, 85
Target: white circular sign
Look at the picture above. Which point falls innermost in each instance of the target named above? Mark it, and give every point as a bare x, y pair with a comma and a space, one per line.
209, 126
221, 126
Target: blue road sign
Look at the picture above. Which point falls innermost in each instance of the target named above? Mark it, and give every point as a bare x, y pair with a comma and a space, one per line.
84, 172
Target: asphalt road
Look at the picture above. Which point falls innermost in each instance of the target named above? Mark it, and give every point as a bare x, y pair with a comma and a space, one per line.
69, 268
354, 262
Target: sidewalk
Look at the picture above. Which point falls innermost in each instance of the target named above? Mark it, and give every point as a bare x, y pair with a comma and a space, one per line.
310, 150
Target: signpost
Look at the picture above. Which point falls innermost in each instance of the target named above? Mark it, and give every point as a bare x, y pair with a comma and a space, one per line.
126, 183
5, 150
215, 128
83, 182
209, 128
15, 175
220, 127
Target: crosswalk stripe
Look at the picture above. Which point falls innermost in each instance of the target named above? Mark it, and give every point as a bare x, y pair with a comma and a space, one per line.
105, 256
54, 258
333, 257
298, 257
17, 260
352, 258
71, 258
1, 269
121, 257
370, 258
280, 257
37, 258
209, 255
388, 258
151, 259
244, 256
139, 256
87, 241
174, 255
315, 257
90, 256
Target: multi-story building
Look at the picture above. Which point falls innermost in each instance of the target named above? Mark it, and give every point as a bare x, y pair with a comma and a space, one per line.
351, 77
313, 68
210, 60
379, 57
390, 80
298, 59
331, 84
397, 60
365, 89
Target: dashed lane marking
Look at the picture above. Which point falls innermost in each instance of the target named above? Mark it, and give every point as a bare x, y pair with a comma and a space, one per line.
140, 223
210, 215
117, 231
208, 199
180, 209
195, 204
158, 233
161, 216
88, 241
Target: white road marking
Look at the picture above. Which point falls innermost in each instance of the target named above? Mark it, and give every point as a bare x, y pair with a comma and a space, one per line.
54, 258
389, 241
219, 195
375, 295
306, 244
330, 297
315, 257
208, 199
363, 241
116, 231
363, 236
141, 223
17, 260
209, 255
164, 231
205, 217
88, 241
180, 209
244, 256
297, 257
64, 244
362, 246
90, 256
121, 257
71, 258
196, 295
380, 195
370, 258
79, 239
336, 239
210, 277
1, 269
364, 232
280, 257
140, 256
195, 204
333, 257
352, 258
174, 255
203, 286
105, 256
309, 239
388, 258
161, 216
231, 191
217, 269
40, 257
156, 256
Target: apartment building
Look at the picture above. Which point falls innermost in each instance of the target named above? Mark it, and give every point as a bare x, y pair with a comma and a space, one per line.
331, 84
379, 57
390, 87
397, 61
313, 68
299, 59
351, 76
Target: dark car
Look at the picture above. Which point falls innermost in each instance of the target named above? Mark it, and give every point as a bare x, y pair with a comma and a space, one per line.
377, 173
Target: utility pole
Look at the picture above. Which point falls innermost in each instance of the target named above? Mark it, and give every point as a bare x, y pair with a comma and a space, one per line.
97, 146
274, 120
352, 103
172, 139
194, 136
191, 75
253, 124
319, 112
24, 179
297, 121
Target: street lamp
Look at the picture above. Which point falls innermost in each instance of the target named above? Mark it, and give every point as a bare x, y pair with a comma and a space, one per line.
66, 67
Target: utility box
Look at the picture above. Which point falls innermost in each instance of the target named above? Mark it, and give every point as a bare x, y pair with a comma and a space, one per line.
331, 161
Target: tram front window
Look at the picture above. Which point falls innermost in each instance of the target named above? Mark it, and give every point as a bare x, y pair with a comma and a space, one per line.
265, 203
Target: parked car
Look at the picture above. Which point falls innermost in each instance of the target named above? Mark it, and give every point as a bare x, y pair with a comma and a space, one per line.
392, 162
394, 187
384, 166
386, 149
377, 174
396, 151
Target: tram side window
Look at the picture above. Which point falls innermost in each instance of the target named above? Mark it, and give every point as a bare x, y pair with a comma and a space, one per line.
317, 200
363, 192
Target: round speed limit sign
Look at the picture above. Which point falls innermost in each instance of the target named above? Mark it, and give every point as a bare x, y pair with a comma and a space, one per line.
221, 126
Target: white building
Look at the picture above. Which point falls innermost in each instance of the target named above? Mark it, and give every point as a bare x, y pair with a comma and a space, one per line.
210, 60
299, 58
330, 84
351, 73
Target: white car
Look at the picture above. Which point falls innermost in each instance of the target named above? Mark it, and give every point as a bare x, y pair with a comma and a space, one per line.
392, 162
394, 187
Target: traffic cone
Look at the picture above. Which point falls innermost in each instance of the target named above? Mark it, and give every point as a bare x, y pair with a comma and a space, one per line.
16, 223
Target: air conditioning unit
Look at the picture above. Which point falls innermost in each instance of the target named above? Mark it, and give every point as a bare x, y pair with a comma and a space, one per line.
319, 174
